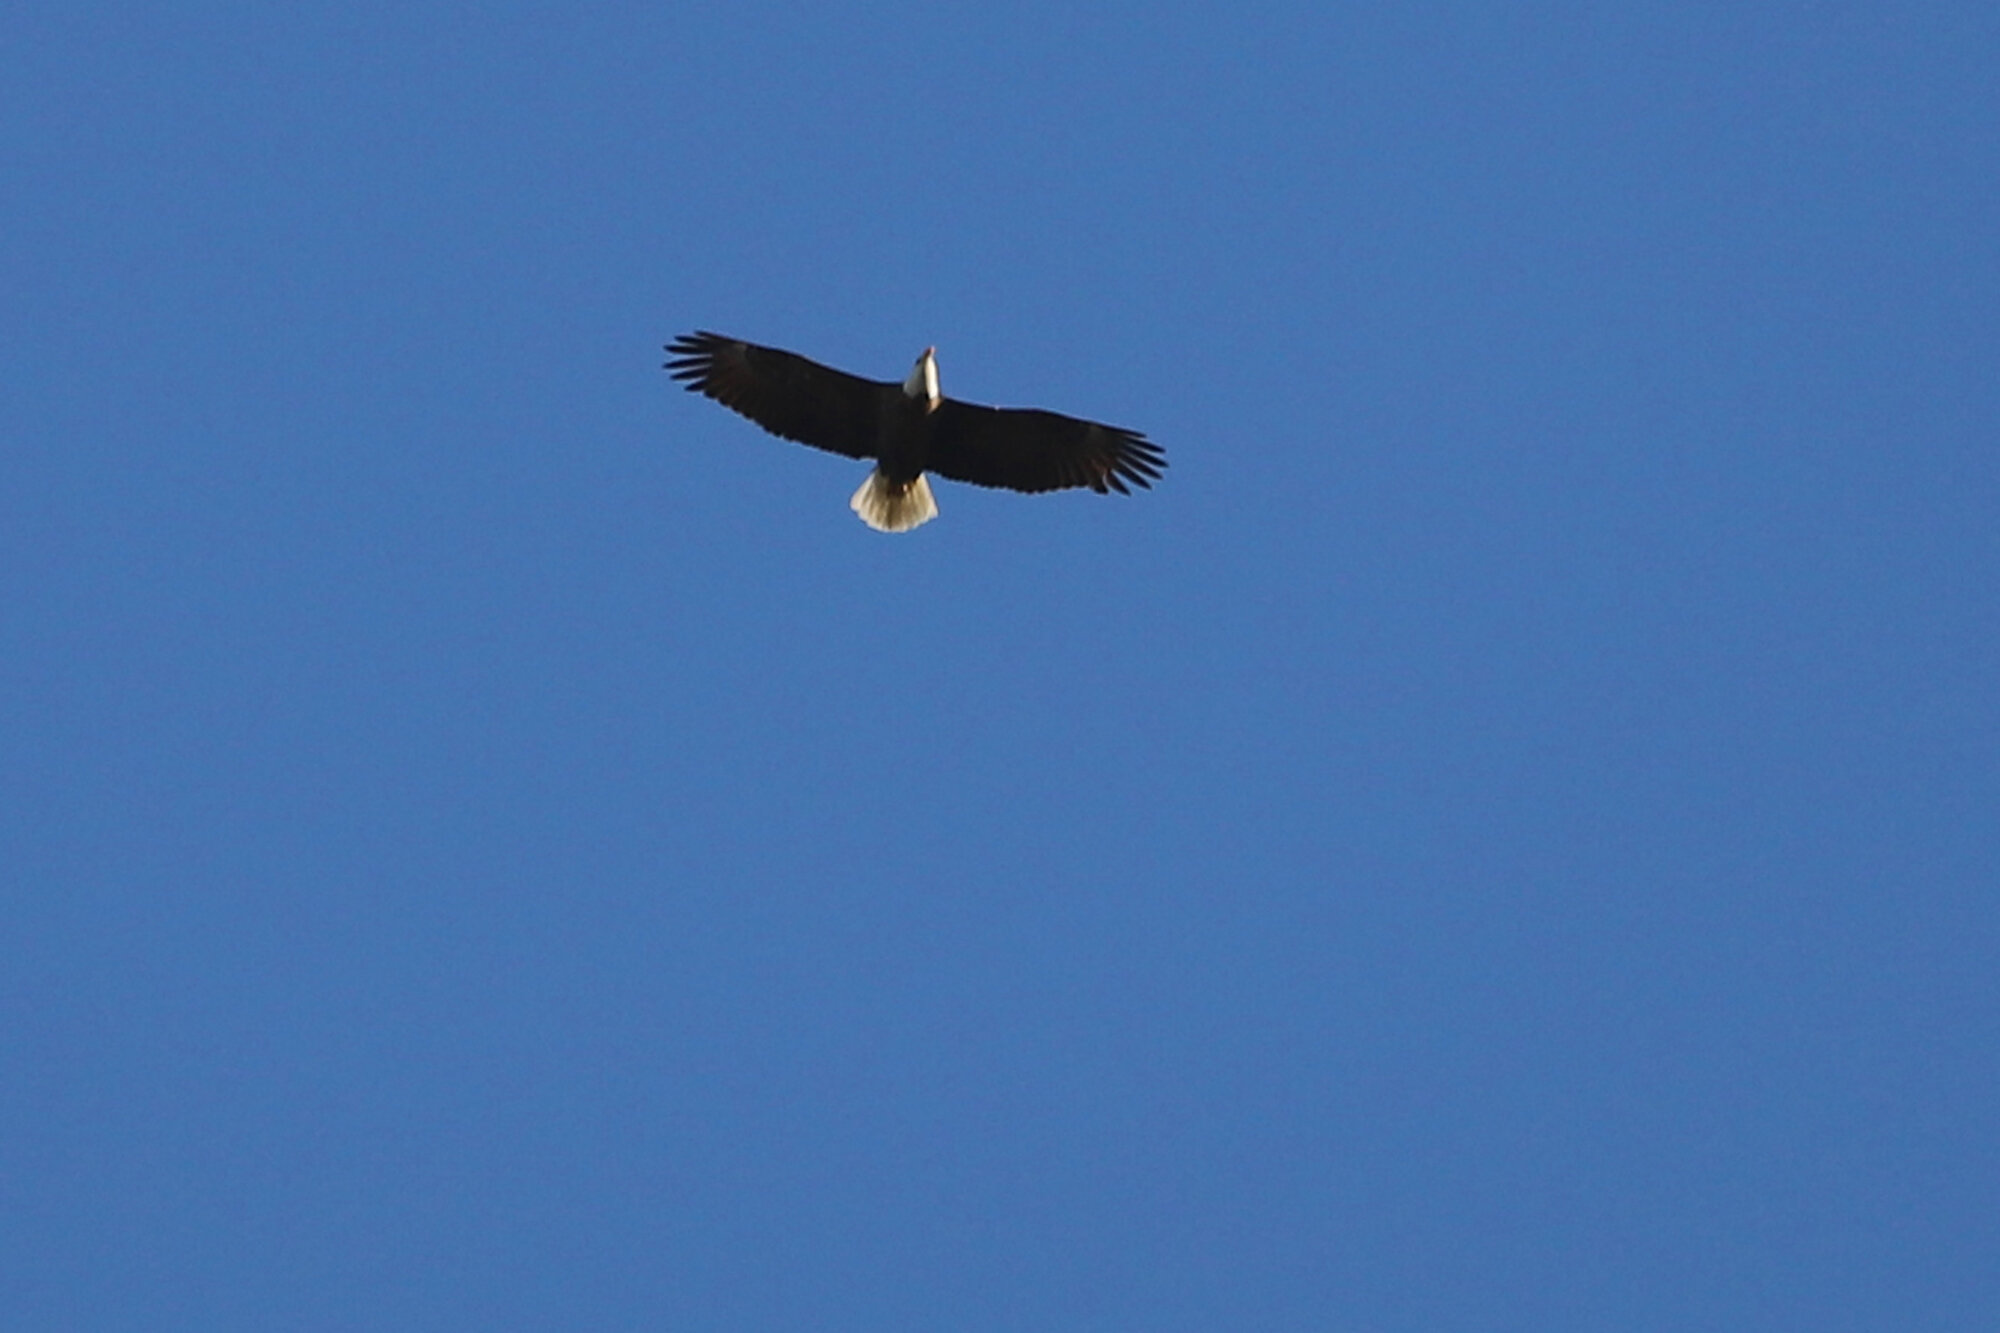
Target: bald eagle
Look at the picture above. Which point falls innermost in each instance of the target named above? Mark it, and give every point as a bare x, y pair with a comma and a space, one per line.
910, 429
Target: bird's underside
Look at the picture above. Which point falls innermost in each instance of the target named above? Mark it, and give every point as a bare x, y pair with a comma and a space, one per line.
910, 429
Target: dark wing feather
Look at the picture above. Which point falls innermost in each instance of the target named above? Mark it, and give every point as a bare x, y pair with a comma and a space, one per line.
782, 392
1025, 449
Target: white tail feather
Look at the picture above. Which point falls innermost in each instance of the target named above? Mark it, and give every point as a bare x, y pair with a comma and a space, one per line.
887, 507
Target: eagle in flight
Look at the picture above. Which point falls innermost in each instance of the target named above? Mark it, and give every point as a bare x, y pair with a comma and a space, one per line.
909, 429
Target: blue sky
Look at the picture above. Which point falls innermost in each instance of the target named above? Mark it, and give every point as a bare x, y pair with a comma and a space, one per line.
1503, 837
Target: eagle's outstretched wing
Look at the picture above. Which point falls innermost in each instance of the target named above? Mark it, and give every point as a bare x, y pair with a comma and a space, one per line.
783, 392
1026, 449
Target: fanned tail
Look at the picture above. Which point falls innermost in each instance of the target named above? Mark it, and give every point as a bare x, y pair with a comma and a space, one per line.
888, 507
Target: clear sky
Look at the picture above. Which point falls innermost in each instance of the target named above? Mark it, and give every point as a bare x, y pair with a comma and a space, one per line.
1504, 837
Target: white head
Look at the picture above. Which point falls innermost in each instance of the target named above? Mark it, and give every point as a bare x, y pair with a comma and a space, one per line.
923, 380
